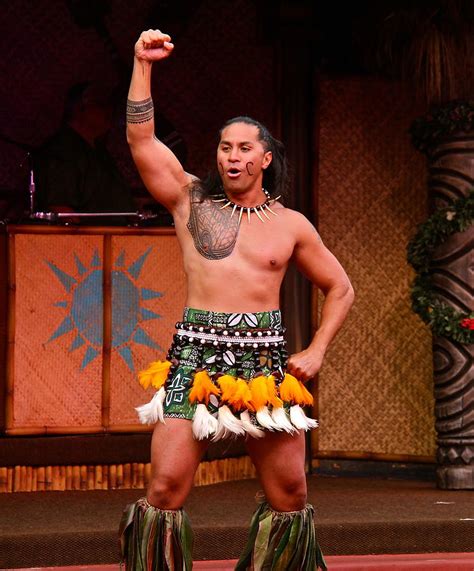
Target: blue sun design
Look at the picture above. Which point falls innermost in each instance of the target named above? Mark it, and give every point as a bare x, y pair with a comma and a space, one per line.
85, 307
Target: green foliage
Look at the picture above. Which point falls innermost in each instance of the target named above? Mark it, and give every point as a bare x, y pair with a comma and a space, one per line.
443, 319
440, 122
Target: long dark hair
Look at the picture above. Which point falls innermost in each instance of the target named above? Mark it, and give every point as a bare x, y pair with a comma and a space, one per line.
275, 178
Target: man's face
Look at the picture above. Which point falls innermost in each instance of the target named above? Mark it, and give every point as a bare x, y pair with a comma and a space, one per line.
241, 157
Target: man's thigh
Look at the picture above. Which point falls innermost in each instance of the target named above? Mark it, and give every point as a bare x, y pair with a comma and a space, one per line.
175, 453
279, 458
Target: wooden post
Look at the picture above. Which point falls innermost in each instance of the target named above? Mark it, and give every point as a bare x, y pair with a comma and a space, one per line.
4, 284
107, 329
451, 169
10, 368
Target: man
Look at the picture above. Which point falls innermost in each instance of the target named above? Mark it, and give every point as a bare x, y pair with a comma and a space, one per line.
227, 370
74, 170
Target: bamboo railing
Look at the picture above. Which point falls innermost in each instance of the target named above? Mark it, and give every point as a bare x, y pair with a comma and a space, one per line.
113, 476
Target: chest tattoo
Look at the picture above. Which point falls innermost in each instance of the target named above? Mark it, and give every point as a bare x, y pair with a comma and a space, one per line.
213, 230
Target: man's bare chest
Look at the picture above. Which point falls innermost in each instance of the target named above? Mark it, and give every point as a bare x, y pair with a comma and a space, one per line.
213, 229
218, 233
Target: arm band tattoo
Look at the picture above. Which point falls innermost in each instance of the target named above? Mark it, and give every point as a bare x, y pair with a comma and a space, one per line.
140, 111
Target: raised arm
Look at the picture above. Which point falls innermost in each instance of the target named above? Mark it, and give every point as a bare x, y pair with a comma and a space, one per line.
322, 268
159, 168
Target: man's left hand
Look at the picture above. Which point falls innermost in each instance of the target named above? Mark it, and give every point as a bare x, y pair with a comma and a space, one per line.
305, 364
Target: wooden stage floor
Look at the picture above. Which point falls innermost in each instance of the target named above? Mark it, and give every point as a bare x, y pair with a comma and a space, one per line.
354, 517
407, 562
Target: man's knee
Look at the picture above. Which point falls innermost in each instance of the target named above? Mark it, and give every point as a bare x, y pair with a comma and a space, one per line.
167, 493
296, 491
290, 494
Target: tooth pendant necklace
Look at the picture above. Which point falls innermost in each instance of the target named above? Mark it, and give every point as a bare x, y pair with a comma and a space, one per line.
260, 210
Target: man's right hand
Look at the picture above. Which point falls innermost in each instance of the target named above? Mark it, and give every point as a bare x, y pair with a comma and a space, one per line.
153, 45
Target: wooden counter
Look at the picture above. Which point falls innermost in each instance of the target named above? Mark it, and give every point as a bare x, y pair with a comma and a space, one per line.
87, 308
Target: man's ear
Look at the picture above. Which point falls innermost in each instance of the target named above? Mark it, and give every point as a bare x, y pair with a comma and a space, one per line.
267, 159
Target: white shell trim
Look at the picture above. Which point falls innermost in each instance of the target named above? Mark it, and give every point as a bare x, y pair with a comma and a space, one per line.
231, 338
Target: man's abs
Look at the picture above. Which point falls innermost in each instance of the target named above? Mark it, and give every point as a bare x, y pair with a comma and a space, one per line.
231, 287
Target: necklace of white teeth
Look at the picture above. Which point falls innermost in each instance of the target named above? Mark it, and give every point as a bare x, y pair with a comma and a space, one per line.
260, 210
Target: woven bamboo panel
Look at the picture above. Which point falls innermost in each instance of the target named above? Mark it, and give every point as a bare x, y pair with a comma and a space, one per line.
113, 477
57, 361
148, 272
376, 384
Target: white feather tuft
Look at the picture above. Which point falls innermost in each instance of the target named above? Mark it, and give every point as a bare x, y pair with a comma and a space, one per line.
280, 417
265, 420
204, 424
300, 420
228, 424
152, 412
250, 428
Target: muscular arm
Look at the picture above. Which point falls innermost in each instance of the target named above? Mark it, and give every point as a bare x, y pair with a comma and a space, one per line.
321, 267
159, 168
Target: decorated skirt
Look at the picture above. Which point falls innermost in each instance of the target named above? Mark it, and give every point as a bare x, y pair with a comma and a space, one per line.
227, 373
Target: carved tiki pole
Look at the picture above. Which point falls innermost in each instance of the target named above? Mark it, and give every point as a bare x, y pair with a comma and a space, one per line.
451, 176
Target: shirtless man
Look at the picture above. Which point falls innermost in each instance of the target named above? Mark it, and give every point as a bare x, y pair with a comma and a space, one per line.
227, 371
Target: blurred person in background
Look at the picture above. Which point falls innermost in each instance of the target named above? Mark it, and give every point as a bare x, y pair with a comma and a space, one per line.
74, 171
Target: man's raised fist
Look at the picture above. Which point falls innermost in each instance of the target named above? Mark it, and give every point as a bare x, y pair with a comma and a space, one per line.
153, 45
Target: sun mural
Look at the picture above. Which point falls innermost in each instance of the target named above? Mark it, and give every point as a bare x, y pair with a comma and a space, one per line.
85, 309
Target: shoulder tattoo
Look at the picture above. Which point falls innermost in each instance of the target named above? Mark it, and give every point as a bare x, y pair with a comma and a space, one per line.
213, 230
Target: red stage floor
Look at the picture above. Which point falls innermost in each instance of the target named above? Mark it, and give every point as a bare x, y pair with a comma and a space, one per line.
409, 562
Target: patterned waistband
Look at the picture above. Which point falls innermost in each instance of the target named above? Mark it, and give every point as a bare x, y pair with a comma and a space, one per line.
269, 320
206, 335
